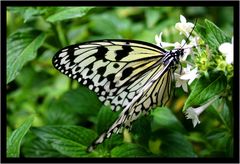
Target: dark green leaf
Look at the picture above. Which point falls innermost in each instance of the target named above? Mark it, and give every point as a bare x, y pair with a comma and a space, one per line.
70, 140
105, 119
14, 141
68, 13
59, 114
130, 150
22, 47
226, 116
220, 139
205, 89
141, 130
82, 101
174, 144
39, 148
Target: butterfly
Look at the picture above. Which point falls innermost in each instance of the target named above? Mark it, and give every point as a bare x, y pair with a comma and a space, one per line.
131, 75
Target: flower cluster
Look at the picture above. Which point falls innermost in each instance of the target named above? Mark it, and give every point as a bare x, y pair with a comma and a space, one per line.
187, 74
199, 64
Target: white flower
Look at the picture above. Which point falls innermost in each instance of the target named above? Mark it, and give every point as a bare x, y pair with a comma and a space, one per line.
190, 75
180, 82
186, 77
227, 50
184, 27
195, 41
158, 39
193, 113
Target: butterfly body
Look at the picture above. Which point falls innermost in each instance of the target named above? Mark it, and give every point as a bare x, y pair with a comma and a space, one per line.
134, 76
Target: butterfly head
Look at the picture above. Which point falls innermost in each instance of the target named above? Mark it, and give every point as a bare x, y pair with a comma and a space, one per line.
177, 54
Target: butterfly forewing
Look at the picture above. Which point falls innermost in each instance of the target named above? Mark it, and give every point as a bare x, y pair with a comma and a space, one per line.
114, 69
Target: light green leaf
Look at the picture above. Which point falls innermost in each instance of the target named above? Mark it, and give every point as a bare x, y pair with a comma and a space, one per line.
22, 47
14, 141
69, 140
130, 150
205, 89
164, 118
217, 36
68, 13
212, 35
152, 16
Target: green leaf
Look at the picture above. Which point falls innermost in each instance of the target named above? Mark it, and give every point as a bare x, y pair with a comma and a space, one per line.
212, 35
105, 24
226, 116
32, 12
105, 119
130, 150
69, 140
111, 26
22, 47
217, 36
59, 114
174, 144
14, 141
152, 16
39, 148
82, 101
220, 138
221, 111
141, 130
68, 13
164, 118
205, 89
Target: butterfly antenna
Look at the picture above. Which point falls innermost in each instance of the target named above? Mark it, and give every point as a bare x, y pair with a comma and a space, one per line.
190, 33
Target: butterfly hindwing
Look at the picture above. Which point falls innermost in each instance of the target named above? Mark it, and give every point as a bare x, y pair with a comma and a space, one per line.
111, 68
155, 92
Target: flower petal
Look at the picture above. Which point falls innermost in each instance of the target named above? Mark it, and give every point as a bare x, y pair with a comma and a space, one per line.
183, 19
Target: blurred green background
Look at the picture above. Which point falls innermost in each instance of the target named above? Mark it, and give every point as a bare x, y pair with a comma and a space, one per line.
54, 99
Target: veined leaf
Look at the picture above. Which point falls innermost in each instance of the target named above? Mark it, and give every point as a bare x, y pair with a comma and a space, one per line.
205, 89
14, 141
68, 13
22, 47
130, 150
69, 140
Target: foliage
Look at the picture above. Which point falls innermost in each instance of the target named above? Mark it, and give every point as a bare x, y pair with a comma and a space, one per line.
13, 143
68, 117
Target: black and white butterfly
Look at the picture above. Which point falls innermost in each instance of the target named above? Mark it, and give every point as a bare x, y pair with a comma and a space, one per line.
131, 75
